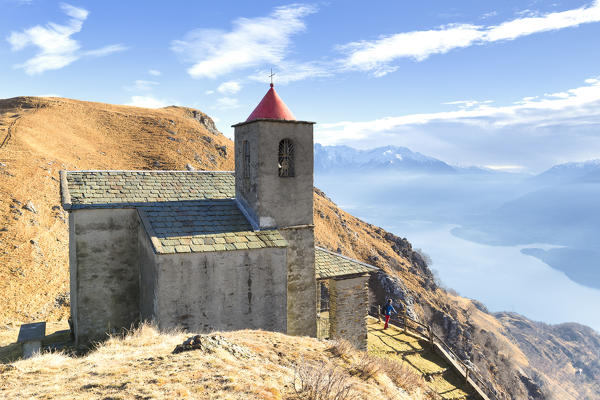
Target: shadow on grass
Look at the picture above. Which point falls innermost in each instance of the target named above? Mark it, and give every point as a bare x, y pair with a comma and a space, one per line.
57, 341
416, 351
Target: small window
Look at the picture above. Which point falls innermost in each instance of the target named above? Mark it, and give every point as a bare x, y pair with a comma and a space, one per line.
286, 158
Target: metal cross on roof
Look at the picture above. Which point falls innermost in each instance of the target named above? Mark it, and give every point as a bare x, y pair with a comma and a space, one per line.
271, 76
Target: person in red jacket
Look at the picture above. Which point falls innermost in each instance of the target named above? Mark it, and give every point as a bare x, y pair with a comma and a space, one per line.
388, 310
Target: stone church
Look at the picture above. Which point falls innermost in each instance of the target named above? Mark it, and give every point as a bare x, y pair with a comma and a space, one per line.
211, 250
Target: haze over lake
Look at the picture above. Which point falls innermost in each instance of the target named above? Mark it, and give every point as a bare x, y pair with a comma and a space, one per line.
454, 218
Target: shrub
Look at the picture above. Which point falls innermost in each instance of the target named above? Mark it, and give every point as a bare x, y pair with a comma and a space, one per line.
343, 349
402, 376
322, 382
367, 366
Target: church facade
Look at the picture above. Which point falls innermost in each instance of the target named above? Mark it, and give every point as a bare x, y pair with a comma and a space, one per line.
211, 250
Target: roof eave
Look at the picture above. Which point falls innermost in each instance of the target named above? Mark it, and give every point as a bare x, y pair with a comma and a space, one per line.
273, 120
64, 190
345, 276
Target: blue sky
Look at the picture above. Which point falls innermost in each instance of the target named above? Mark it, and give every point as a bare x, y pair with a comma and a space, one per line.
507, 84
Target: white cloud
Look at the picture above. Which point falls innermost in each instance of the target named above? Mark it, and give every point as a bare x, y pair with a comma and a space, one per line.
154, 72
75, 12
229, 87
468, 103
106, 50
561, 124
560, 95
148, 102
507, 168
580, 106
142, 85
209, 92
227, 103
251, 42
290, 71
489, 14
56, 47
377, 55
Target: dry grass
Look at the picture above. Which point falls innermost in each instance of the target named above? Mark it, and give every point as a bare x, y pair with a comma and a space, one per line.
361, 364
343, 349
323, 382
367, 367
402, 375
375, 368
142, 365
406, 359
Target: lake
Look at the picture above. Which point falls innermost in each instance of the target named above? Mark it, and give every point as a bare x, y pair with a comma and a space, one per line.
501, 277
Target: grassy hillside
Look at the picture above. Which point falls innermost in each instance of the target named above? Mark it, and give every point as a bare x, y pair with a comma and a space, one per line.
41, 136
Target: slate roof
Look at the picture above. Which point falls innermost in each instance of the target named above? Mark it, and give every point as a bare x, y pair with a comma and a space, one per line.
206, 225
117, 189
182, 211
332, 265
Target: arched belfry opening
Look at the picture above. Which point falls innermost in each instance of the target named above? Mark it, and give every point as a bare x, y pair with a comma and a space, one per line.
286, 159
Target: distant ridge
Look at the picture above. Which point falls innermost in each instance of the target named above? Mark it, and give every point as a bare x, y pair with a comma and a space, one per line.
330, 158
571, 172
387, 157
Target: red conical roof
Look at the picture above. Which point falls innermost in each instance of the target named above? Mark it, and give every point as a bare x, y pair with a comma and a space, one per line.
271, 107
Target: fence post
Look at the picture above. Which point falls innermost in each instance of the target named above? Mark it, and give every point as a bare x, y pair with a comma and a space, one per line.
405, 320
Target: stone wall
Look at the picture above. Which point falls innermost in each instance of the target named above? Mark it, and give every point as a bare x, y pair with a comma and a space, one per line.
274, 201
348, 309
302, 284
104, 271
148, 276
225, 290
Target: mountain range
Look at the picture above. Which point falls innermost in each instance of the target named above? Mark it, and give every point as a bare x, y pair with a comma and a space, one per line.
397, 158
329, 158
572, 172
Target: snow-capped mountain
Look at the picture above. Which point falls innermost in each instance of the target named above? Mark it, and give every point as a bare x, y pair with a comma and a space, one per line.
571, 172
329, 158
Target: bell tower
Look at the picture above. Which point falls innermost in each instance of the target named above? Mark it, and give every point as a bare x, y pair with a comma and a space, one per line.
274, 165
274, 187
